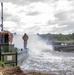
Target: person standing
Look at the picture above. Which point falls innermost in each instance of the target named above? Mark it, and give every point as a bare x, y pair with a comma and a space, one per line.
25, 38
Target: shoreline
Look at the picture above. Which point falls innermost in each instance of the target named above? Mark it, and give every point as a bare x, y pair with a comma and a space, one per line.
17, 71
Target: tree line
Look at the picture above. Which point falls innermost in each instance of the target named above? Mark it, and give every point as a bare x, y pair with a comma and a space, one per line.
58, 37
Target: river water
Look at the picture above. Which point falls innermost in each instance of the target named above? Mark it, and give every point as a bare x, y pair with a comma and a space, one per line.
42, 57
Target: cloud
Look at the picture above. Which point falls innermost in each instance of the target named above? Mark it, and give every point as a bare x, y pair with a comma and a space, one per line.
26, 2
9, 24
39, 16
61, 16
65, 18
33, 13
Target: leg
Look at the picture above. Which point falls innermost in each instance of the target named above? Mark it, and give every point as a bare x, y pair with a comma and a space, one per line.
25, 44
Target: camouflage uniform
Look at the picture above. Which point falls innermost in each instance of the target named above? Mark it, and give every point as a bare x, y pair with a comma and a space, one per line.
25, 38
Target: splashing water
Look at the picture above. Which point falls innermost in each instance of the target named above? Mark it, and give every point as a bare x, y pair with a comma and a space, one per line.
42, 57
37, 45
17, 40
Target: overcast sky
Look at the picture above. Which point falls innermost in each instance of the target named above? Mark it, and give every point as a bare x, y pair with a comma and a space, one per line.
38, 16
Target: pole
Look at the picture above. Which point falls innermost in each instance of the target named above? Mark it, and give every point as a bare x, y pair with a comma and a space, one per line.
2, 16
1, 26
2, 21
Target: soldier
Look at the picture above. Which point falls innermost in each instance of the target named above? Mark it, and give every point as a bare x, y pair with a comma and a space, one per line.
25, 38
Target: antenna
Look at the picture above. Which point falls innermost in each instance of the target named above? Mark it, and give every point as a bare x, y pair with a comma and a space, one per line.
2, 16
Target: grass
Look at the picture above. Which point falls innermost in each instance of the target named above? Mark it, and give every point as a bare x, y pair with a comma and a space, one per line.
1, 64
67, 41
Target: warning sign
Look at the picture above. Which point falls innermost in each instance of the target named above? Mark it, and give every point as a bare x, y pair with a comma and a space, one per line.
9, 57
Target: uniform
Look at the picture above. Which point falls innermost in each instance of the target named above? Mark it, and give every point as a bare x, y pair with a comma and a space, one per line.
25, 38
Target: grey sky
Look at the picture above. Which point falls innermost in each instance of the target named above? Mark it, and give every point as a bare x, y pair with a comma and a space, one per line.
39, 16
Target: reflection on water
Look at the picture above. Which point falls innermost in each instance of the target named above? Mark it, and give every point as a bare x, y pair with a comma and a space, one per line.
43, 58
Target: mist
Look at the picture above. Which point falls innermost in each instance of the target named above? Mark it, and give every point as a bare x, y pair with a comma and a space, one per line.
37, 45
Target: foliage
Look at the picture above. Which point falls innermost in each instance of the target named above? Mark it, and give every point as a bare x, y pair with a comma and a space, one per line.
1, 63
58, 37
